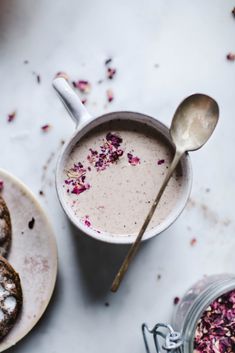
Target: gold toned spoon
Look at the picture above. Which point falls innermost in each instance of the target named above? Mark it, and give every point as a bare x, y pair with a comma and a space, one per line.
193, 123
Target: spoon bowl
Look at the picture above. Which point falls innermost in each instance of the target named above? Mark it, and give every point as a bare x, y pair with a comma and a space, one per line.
194, 121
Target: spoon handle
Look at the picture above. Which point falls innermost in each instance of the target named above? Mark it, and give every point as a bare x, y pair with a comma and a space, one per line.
131, 253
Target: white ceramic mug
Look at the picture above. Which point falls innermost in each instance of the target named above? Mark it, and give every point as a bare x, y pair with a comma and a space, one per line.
84, 123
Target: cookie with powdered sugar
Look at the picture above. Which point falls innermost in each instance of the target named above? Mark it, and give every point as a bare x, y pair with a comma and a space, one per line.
10, 297
5, 228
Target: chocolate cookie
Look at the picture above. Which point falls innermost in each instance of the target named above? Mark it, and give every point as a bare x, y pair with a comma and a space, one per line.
5, 228
10, 297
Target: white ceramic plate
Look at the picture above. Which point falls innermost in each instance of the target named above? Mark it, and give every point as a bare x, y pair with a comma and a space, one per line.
33, 255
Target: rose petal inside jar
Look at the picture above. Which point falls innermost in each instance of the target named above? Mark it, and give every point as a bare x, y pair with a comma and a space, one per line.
215, 331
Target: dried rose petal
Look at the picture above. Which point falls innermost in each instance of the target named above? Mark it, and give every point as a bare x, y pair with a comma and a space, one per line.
31, 223
79, 188
11, 116
133, 160
115, 140
230, 56
176, 300
1, 185
109, 152
161, 161
86, 221
63, 75
110, 73
233, 11
46, 127
75, 183
215, 331
193, 241
38, 77
110, 95
82, 85
108, 61
84, 101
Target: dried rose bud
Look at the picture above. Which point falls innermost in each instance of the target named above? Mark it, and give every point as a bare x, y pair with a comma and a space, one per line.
46, 127
110, 96
1, 185
233, 11
110, 73
82, 85
11, 117
230, 56
63, 75
161, 161
84, 101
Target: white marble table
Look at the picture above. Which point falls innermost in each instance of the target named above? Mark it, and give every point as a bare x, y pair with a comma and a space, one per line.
189, 41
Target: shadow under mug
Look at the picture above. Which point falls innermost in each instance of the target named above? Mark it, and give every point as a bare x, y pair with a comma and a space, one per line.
85, 123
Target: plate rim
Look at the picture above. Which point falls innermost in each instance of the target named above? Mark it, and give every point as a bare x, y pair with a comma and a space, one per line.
53, 242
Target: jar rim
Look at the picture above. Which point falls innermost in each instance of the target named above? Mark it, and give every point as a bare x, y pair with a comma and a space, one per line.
205, 298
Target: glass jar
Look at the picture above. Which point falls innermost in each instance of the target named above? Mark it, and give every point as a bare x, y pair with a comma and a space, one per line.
188, 312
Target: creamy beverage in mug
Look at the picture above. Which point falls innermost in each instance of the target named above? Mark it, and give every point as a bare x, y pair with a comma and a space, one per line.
112, 176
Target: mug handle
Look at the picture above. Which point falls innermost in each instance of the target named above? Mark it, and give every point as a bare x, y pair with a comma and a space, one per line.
71, 101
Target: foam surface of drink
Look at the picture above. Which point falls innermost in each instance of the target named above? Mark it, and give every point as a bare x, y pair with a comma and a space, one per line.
117, 198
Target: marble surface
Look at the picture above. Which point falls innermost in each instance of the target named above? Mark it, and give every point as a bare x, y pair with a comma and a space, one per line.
163, 50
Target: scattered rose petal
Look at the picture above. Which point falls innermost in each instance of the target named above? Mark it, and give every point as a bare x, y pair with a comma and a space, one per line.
79, 188
108, 61
230, 56
193, 241
46, 127
110, 95
161, 161
38, 77
1, 185
86, 221
133, 160
115, 140
82, 85
63, 75
11, 117
75, 182
109, 152
110, 73
176, 300
31, 223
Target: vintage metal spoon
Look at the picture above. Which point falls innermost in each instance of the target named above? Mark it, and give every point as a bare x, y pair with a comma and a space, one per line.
193, 123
